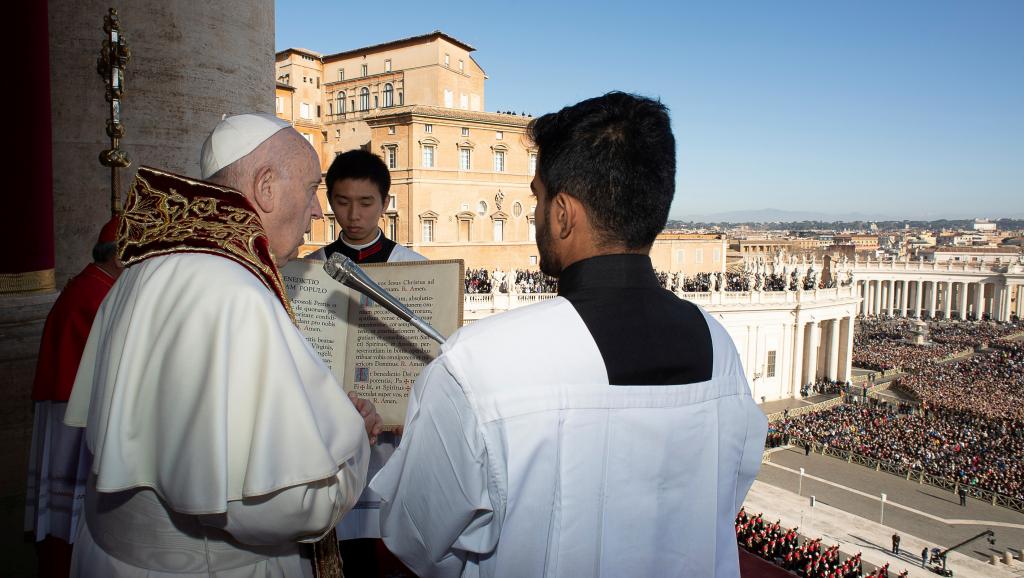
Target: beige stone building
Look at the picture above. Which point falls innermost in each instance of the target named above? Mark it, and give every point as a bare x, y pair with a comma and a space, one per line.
460, 176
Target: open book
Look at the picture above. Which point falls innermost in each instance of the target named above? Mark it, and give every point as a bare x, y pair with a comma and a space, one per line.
369, 349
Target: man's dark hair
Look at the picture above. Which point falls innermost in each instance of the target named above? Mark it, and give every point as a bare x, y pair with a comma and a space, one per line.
103, 252
616, 154
359, 164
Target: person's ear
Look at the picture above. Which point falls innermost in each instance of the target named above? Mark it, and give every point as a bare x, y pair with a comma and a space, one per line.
563, 213
263, 189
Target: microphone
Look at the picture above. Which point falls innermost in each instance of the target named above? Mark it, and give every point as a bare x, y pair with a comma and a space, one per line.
346, 272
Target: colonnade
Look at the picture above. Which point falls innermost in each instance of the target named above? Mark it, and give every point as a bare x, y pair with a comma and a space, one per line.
941, 298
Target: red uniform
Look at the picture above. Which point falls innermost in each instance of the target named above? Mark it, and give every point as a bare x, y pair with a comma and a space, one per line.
67, 328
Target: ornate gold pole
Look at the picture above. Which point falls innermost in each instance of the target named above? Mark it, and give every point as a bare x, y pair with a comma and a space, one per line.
114, 57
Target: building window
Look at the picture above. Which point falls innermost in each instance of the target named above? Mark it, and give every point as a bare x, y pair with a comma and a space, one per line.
280, 104
341, 74
465, 131
499, 161
392, 227
364, 98
462, 65
308, 137
716, 254
698, 256
499, 230
332, 229
533, 164
330, 107
392, 158
340, 103
463, 101
447, 60
392, 203
517, 209
533, 260
428, 156
389, 95
465, 159
428, 128
352, 104
318, 111
499, 135
533, 230
363, 70
401, 98
680, 257
318, 82
337, 133
391, 129
304, 111
481, 208
428, 231
387, 65
770, 369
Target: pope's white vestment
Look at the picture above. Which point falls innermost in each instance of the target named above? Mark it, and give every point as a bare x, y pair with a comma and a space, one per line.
220, 438
520, 460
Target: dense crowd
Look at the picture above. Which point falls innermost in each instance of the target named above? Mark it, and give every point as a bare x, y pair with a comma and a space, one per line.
535, 282
956, 445
806, 558
478, 281
883, 344
990, 385
483, 281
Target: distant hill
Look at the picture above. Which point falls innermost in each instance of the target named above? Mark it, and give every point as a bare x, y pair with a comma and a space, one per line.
780, 216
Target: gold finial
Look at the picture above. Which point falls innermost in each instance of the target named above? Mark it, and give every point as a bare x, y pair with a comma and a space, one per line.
113, 60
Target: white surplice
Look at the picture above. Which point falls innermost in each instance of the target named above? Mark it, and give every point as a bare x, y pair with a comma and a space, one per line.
220, 438
519, 459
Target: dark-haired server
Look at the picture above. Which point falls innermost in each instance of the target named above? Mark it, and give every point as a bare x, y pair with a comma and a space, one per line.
607, 432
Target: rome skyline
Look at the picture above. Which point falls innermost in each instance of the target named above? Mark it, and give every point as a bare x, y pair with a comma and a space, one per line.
904, 112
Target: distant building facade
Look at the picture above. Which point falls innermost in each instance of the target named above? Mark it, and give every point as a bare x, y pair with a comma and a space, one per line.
460, 175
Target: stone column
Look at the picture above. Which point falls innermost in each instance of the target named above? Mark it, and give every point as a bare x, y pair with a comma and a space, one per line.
947, 299
833, 349
870, 293
862, 292
919, 295
963, 300
890, 297
1004, 302
904, 290
846, 364
879, 297
979, 299
811, 352
933, 297
799, 353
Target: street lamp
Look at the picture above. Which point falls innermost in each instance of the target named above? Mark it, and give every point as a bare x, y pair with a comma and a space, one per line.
881, 517
800, 485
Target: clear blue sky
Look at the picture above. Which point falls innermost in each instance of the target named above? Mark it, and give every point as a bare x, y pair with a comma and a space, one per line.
904, 109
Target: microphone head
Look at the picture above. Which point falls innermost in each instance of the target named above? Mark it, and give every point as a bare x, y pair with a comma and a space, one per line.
339, 267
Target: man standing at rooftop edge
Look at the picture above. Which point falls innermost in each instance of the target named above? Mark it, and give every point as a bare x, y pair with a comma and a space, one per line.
220, 438
626, 441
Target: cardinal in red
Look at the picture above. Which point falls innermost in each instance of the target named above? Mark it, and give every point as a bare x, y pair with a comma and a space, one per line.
59, 463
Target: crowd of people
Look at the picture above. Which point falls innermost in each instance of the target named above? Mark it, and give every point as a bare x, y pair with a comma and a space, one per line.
806, 558
989, 384
527, 281
884, 344
960, 446
535, 282
478, 281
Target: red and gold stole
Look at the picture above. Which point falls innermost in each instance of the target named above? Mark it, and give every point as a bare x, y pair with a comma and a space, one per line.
167, 213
